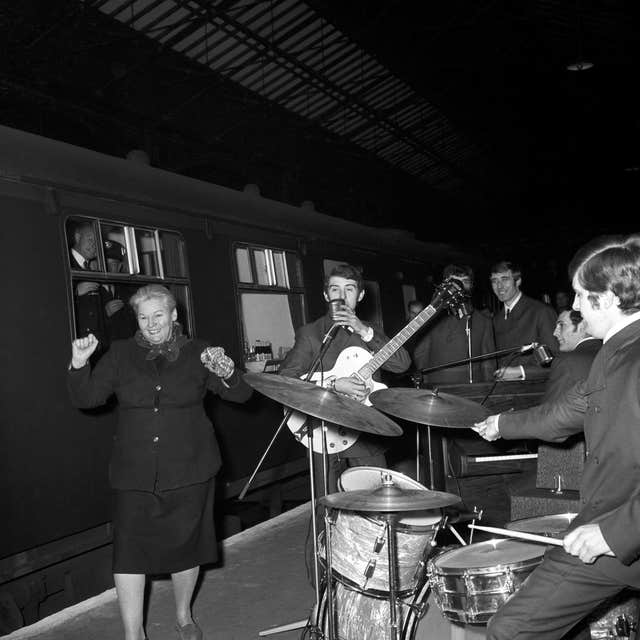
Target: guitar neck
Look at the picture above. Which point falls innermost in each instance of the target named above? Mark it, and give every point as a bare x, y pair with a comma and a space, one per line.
396, 342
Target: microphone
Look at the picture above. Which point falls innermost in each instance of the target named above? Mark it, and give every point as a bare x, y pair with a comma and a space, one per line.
542, 354
464, 309
335, 305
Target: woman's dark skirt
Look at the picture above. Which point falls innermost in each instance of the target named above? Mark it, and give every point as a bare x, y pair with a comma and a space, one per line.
164, 532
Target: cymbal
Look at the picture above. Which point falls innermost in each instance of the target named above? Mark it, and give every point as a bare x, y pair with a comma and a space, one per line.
322, 403
431, 407
389, 498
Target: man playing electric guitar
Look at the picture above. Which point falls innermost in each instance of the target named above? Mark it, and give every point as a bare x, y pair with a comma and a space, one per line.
343, 282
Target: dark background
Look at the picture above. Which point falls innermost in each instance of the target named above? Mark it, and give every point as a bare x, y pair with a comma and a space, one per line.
526, 159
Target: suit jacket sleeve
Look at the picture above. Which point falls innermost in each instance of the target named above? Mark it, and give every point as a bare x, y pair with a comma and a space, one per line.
92, 387
545, 326
233, 388
488, 345
551, 421
422, 352
300, 356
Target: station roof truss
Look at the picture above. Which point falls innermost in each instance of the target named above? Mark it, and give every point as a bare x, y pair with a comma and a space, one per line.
289, 54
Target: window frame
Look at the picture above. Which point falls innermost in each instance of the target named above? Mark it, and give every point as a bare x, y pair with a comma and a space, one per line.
135, 277
255, 287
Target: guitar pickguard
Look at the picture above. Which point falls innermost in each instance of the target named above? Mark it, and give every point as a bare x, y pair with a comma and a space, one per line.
339, 438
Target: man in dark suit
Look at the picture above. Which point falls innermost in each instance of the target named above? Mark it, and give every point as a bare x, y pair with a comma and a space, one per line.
601, 554
460, 333
521, 321
559, 461
344, 282
577, 350
96, 306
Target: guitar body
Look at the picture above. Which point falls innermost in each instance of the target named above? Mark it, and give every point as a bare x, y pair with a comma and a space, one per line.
339, 438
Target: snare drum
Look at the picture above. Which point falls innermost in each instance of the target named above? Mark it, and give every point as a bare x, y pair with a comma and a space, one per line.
471, 583
359, 544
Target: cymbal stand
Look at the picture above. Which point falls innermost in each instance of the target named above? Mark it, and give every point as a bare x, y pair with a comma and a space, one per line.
390, 519
326, 341
309, 434
417, 380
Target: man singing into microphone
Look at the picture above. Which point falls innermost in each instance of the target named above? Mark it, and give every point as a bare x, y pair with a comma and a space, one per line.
347, 330
462, 333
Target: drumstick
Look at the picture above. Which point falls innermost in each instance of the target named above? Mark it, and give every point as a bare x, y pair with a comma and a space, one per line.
517, 534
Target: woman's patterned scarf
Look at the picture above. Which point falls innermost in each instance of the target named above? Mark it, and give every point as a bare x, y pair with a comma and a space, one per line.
170, 348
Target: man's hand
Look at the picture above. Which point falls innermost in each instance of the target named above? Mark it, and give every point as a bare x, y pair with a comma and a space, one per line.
86, 287
352, 387
82, 349
347, 318
113, 306
488, 428
508, 373
587, 543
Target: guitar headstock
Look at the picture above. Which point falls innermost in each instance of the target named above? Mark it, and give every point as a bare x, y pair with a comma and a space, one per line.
449, 293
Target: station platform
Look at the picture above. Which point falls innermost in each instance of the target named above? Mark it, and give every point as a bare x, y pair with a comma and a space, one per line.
261, 584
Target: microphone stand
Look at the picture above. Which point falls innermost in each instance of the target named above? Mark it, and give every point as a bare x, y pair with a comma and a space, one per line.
468, 330
326, 342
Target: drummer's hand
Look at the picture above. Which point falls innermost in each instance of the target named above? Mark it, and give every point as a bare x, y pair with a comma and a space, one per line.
587, 543
488, 428
352, 387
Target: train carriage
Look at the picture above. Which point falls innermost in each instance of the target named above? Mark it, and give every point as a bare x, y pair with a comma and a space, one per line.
246, 271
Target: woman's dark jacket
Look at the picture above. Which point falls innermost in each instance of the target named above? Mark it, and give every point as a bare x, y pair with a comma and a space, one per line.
164, 439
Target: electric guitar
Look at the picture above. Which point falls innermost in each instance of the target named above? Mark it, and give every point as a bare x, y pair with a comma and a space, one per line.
358, 362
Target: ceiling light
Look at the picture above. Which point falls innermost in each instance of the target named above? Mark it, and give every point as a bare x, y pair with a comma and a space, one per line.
581, 65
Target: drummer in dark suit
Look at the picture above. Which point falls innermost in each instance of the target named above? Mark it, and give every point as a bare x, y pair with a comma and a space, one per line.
601, 554
345, 282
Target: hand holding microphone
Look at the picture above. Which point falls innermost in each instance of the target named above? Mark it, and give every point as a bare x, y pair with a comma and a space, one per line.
344, 316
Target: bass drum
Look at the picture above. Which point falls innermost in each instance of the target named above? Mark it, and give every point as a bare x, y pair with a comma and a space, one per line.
359, 616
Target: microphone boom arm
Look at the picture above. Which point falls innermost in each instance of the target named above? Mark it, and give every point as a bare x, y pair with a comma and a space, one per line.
484, 356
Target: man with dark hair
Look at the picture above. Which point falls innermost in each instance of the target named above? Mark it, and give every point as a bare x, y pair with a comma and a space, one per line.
98, 310
521, 321
577, 349
461, 333
601, 554
344, 282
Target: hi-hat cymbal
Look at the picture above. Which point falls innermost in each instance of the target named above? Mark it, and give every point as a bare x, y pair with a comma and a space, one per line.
389, 498
322, 403
429, 407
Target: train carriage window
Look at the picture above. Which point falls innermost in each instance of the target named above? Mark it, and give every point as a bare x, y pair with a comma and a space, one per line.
121, 259
173, 255
147, 252
271, 300
116, 254
243, 265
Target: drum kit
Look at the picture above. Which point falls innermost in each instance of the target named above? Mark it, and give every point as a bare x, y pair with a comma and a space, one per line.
377, 548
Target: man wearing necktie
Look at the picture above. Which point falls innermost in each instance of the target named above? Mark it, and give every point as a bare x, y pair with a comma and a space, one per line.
95, 303
522, 320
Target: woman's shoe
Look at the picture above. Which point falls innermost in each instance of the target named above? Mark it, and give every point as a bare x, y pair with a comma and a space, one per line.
190, 631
